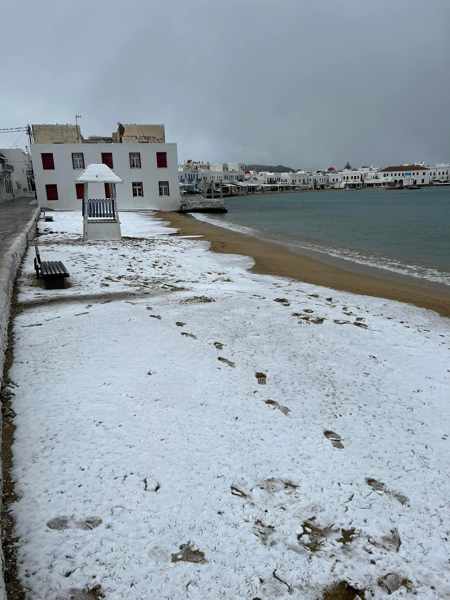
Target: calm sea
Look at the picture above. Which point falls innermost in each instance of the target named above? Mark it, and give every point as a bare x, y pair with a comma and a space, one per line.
406, 231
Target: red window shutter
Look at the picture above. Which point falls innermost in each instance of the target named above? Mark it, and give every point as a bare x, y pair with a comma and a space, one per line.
47, 161
107, 159
107, 190
51, 190
161, 160
80, 190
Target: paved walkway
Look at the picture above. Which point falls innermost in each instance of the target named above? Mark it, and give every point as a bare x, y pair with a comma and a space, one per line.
14, 215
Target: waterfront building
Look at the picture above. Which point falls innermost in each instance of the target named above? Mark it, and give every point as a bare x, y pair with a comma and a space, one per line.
352, 178
138, 154
220, 173
303, 180
440, 173
406, 175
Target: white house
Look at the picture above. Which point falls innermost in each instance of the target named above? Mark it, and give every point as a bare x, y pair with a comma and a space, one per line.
137, 153
196, 173
16, 174
405, 175
440, 173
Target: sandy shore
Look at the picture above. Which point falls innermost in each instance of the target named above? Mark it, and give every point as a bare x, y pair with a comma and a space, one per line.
274, 259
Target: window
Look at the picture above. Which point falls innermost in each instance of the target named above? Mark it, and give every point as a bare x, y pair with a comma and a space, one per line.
161, 160
107, 159
8, 184
51, 190
135, 160
107, 190
163, 188
48, 164
138, 189
77, 160
79, 188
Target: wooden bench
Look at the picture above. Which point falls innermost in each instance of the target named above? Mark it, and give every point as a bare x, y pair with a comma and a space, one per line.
53, 273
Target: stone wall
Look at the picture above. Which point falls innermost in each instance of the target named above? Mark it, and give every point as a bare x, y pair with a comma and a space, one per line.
9, 267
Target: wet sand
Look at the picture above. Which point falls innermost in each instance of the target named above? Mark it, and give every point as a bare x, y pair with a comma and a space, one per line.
275, 259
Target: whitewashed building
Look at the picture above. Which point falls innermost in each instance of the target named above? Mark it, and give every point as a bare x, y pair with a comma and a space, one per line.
137, 153
440, 173
193, 173
406, 175
16, 174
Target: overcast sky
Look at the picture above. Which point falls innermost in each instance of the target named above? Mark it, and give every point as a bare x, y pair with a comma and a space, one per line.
299, 82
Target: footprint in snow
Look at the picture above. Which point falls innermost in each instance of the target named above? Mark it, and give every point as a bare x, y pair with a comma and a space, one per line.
283, 301
276, 405
334, 438
191, 335
218, 345
189, 553
230, 363
60, 523
381, 488
180, 324
261, 377
89, 593
155, 317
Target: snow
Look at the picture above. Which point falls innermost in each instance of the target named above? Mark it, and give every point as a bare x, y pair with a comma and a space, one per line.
126, 413
99, 173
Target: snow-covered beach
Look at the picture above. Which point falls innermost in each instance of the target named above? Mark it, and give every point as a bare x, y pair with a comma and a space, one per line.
188, 429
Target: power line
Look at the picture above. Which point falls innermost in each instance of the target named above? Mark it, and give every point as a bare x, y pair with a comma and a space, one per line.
13, 129
24, 129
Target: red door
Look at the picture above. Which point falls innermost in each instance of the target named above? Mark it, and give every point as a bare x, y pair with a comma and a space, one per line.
80, 190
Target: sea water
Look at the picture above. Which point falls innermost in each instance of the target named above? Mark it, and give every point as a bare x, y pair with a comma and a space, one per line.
406, 231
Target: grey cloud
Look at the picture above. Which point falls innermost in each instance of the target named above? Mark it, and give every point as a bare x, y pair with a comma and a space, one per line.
294, 81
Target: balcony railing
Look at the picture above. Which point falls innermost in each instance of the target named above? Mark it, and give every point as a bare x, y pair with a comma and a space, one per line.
100, 208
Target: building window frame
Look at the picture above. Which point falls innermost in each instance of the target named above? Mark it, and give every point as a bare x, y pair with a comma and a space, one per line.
51, 192
8, 184
48, 161
161, 160
135, 160
163, 188
137, 189
107, 159
78, 160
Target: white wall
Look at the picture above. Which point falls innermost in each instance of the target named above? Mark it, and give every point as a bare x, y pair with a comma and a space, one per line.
64, 176
407, 177
440, 173
21, 164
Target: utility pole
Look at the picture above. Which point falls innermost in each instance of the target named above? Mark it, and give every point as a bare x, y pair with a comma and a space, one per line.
77, 116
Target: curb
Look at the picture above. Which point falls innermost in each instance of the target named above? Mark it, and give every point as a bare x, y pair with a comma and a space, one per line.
8, 274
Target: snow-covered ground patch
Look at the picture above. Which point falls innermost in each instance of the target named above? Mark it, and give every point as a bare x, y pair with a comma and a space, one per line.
188, 429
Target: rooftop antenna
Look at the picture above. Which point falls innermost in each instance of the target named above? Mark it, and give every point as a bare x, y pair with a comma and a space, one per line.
77, 116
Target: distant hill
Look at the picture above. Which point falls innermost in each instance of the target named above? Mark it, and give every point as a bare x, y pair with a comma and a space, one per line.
270, 168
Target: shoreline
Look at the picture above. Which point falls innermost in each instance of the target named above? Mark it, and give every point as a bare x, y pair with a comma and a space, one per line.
276, 259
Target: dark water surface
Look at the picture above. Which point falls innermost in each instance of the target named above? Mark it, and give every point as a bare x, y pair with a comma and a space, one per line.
407, 231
